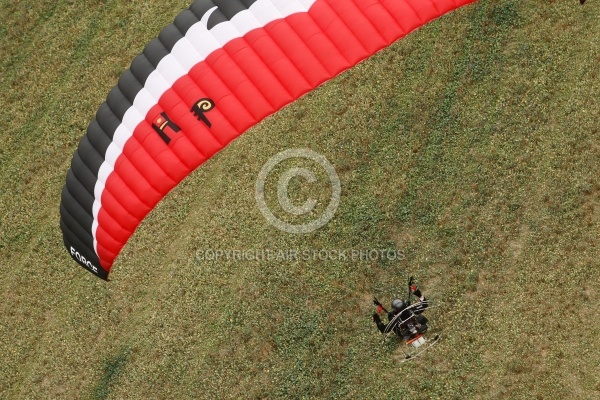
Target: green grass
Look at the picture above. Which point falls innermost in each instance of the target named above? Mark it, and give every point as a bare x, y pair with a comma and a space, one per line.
471, 146
113, 369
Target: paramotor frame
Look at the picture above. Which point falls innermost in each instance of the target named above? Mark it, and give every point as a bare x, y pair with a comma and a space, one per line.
416, 343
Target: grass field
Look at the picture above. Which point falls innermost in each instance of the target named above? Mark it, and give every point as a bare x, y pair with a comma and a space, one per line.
471, 146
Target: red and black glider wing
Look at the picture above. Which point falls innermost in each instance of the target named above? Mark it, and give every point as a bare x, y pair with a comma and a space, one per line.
221, 67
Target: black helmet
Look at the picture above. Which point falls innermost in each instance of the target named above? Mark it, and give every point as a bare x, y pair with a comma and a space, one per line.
398, 305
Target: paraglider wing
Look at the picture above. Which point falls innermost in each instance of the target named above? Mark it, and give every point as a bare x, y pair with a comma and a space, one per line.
220, 68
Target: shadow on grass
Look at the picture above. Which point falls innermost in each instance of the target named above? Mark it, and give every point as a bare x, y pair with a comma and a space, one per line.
112, 371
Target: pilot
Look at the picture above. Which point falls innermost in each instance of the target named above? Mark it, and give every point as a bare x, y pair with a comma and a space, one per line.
405, 326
